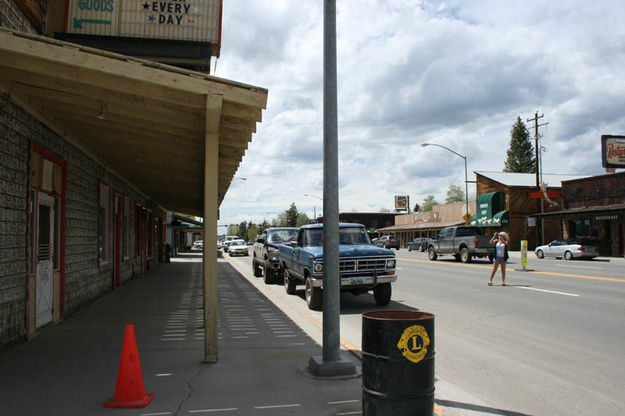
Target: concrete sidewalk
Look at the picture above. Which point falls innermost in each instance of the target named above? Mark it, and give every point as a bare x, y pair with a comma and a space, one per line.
71, 368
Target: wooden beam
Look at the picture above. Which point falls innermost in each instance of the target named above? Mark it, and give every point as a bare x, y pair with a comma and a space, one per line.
211, 197
65, 60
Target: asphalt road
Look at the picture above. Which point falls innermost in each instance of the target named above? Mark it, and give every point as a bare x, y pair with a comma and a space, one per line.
552, 342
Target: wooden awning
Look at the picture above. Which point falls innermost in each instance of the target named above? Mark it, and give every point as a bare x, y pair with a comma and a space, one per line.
144, 121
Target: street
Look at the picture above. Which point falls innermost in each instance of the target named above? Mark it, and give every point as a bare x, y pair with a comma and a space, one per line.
549, 343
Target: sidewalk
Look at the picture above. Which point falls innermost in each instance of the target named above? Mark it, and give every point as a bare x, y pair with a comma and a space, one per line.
71, 368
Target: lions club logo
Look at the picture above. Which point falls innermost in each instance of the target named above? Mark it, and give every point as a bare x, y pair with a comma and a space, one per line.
414, 343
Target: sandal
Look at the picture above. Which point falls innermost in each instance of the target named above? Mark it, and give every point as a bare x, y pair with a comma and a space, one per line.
503, 284
490, 284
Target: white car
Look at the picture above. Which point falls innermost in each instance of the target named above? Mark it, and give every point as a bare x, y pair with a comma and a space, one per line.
584, 247
228, 240
198, 245
238, 247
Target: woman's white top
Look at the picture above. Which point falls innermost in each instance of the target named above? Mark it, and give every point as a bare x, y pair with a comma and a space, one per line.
500, 249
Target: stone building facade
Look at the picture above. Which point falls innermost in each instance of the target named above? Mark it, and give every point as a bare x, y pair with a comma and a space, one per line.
81, 275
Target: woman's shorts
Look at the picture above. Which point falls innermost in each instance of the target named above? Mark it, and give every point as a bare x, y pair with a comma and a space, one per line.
500, 259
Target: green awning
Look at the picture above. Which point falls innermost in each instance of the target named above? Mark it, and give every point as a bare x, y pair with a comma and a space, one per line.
491, 210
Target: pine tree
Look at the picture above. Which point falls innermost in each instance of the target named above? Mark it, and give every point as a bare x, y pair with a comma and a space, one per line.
521, 152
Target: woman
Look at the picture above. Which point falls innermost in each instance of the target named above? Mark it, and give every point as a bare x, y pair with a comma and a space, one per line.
500, 240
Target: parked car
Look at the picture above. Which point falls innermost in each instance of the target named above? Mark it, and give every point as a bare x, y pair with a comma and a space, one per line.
387, 241
265, 260
362, 267
419, 243
570, 249
238, 247
229, 240
198, 245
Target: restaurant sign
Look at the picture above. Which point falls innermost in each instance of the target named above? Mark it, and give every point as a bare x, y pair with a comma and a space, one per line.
188, 20
613, 151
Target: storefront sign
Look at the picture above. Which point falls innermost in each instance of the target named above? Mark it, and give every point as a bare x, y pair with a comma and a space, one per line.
191, 20
402, 202
606, 217
613, 151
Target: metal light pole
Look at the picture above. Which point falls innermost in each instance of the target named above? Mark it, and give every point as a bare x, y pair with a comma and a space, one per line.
314, 206
331, 363
466, 178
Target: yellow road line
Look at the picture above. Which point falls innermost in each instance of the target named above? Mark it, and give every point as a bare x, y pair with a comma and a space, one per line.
344, 342
577, 276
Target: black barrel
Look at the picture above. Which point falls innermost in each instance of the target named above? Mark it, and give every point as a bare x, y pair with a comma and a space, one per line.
398, 363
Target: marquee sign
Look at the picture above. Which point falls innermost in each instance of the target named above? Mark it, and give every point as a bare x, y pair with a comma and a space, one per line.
613, 151
189, 20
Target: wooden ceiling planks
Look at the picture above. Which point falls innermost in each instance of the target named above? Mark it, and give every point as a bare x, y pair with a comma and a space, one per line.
143, 120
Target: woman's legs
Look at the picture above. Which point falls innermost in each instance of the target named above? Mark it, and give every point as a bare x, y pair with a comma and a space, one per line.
503, 273
495, 264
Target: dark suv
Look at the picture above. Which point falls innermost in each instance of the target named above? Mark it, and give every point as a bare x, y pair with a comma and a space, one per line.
387, 241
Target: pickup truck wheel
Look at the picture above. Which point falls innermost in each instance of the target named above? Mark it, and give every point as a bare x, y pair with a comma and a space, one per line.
268, 275
313, 296
382, 294
432, 254
465, 256
457, 257
258, 272
289, 284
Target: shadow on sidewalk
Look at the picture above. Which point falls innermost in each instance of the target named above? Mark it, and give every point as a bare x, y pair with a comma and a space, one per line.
478, 408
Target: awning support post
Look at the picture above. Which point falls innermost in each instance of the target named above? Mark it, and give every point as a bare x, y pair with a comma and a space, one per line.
209, 270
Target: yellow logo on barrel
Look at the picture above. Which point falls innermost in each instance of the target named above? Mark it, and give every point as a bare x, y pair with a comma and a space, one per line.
414, 343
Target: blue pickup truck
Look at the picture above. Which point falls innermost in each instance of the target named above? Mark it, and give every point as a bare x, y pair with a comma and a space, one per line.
363, 267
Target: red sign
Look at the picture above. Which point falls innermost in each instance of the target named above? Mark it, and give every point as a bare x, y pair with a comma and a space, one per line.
540, 194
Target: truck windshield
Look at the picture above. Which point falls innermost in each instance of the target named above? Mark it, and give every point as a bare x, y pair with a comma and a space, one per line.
347, 236
281, 236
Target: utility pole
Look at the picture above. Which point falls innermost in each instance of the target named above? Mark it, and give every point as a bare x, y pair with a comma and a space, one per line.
538, 171
332, 362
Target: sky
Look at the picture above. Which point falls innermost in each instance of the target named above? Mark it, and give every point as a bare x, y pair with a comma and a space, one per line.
456, 73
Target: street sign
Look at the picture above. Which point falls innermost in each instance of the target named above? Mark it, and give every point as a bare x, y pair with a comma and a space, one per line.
467, 217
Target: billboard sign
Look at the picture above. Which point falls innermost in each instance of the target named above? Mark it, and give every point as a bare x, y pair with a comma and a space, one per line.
187, 20
402, 202
613, 151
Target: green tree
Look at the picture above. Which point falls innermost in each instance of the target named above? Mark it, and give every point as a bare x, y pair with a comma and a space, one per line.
521, 152
243, 230
264, 226
252, 232
428, 203
233, 229
279, 221
291, 215
454, 194
302, 219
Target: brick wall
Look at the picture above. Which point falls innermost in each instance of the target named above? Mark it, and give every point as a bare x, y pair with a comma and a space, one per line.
13, 220
12, 17
85, 280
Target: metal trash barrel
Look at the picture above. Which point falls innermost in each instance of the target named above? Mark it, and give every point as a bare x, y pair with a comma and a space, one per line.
398, 363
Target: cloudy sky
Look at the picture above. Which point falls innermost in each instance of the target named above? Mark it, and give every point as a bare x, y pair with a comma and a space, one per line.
456, 73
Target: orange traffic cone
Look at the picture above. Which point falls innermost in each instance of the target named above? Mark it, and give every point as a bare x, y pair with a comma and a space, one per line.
130, 391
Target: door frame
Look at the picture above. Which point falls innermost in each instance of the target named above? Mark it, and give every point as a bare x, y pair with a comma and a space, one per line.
58, 298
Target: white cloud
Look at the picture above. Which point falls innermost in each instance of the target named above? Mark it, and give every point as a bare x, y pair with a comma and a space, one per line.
455, 73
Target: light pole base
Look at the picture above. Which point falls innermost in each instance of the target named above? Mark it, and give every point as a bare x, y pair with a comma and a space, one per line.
342, 367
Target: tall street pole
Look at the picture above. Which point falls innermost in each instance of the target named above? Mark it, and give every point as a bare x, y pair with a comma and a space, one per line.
331, 363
